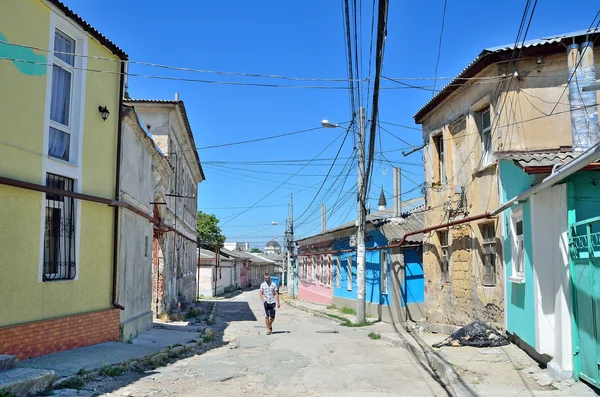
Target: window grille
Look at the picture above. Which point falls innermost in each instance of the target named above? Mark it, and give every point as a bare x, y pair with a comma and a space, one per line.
59, 231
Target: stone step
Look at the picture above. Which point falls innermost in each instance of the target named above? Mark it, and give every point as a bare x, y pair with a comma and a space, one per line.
7, 362
21, 382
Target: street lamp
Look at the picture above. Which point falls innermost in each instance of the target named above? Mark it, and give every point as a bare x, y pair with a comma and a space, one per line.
329, 124
361, 219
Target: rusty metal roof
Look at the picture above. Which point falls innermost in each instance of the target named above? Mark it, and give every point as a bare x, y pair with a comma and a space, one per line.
489, 56
90, 29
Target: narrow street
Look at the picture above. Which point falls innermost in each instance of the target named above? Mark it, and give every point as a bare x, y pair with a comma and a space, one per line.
306, 356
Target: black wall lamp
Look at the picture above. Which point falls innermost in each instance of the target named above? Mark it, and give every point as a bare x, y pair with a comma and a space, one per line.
104, 111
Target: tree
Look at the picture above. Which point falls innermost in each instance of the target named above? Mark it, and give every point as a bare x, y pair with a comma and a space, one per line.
208, 230
255, 250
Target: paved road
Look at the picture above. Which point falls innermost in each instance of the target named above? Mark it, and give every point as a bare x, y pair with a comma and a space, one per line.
306, 356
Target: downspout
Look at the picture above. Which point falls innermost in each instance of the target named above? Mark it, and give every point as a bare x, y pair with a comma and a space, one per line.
117, 194
590, 110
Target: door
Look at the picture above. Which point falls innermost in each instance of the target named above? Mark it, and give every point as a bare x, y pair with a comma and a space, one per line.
584, 246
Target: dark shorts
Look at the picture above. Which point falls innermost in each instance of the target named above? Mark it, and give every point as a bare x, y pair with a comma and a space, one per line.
269, 309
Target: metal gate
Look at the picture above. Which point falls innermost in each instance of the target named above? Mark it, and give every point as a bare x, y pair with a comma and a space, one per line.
584, 246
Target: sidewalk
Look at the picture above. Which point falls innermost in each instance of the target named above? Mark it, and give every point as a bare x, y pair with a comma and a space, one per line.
468, 371
154, 348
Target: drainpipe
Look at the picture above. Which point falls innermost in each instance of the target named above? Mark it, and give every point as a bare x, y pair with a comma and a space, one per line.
588, 71
589, 156
579, 131
117, 194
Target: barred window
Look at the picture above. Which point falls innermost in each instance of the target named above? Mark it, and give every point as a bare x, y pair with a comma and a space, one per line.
59, 231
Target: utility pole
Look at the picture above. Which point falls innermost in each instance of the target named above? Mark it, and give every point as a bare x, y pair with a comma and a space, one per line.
397, 193
361, 222
290, 249
323, 218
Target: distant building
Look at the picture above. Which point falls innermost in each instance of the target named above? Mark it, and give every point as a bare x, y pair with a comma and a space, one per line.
235, 246
272, 248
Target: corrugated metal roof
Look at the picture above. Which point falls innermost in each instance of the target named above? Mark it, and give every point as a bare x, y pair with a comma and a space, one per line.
459, 80
90, 29
407, 207
537, 159
395, 228
181, 106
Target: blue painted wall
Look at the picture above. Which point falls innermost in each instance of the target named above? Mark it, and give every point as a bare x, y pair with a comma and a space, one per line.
520, 315
373, 289
587, 195
413, 290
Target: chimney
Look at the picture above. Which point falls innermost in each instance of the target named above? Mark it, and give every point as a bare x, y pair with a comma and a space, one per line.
177, 96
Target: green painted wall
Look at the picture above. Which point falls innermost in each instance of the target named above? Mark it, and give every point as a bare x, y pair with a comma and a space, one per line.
520, 315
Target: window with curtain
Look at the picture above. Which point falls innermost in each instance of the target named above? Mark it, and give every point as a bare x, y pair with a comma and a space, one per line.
61, 96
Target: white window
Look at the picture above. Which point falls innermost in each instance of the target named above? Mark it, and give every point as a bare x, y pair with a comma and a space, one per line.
349, 273
485, 133
338, 279
61, 99
384, 271
445, 255
313, 268
518, 247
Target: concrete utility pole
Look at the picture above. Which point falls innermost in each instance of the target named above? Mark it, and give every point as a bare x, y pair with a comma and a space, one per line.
290, 249
397, 193
323, 218
361, 222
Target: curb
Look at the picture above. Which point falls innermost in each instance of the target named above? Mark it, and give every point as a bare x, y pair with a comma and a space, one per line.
129, 364
422, 352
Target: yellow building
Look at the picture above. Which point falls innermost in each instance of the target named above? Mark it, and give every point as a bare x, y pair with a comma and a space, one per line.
58, 165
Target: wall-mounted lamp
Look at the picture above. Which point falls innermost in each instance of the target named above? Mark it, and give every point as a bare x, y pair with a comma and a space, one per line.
104, 112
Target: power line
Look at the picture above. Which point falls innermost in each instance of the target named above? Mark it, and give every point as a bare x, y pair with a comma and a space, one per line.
259, 139
437, 63
268, 194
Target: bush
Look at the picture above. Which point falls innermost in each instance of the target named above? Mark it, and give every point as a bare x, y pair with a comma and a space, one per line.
374, 336
348, 310
112, 370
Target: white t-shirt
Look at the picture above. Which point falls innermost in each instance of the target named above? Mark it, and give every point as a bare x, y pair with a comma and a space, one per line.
269, 291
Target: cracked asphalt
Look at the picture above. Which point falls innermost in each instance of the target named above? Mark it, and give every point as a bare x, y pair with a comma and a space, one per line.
306, 356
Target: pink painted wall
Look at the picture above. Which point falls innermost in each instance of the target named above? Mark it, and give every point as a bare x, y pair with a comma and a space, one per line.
317, 289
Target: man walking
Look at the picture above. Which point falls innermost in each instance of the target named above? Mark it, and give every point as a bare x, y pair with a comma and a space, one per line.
269, 294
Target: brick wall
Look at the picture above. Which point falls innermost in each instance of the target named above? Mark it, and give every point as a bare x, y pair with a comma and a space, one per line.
65, 333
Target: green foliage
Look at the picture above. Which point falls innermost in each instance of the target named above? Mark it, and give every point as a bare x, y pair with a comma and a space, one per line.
348, 310
76, 382
4, 393
347, 323
208, 336
112, 370
374, 336
331, 307
255, 250
208, 230
193, 313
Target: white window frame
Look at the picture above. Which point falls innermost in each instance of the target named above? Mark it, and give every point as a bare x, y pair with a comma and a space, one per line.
349, 268
517, 248
313, 268
329, 270
383, 257
78, 88
338, 279
320, 270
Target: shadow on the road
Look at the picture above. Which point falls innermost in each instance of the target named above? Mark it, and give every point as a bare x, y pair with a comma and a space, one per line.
281, 332
227, 312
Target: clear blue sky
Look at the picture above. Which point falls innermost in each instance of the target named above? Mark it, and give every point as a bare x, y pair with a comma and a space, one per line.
300, 39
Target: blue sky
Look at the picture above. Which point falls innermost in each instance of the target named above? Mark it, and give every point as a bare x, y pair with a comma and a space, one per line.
300, 39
